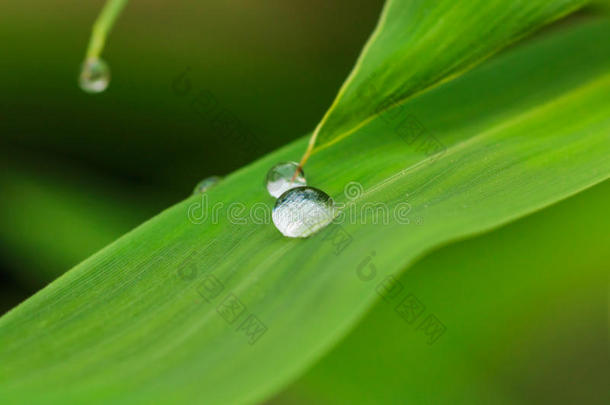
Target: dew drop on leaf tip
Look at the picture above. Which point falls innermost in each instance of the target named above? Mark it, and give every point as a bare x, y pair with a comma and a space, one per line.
302, 211
94, 76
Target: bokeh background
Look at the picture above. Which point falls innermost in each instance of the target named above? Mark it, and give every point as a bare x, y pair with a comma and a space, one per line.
78, 170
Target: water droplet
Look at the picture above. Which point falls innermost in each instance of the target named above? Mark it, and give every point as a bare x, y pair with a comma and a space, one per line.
279, 178
205, 184
301, 211
94, 76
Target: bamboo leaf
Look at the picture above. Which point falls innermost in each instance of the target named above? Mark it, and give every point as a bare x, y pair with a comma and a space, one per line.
418, 44
527, 301
193, 307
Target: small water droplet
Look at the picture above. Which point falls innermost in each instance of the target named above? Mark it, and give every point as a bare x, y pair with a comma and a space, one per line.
205, 184
279, 178
94, 76
301, 211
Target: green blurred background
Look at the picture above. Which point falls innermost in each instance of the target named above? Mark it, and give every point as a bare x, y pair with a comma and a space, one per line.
78, 170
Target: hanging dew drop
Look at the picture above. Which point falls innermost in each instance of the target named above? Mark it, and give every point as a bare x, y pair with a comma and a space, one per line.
94, 76
302, 211
279, 178
205, 184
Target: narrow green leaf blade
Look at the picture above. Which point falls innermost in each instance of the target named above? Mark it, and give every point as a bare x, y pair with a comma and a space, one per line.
524, 311
419, 44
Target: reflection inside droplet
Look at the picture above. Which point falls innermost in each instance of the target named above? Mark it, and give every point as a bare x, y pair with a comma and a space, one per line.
279, 178
303, 211
94, 76
206, 184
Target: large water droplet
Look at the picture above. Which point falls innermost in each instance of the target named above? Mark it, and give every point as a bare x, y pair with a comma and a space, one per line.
94, 76
206, 184
302, 211
279, 178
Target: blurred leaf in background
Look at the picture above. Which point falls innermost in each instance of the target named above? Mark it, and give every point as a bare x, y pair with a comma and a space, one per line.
51, 217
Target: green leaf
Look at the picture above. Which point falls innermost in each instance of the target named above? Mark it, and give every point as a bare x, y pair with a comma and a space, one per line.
524, 310
418, 44
137, 322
